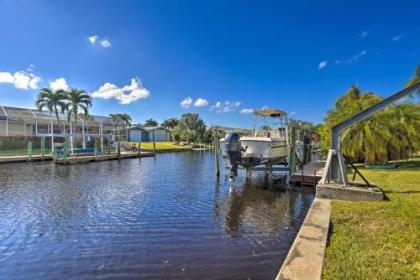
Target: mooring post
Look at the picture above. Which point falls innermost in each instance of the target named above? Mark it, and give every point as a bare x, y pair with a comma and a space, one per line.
119, 150
139, 147
292, 155
109, 144
30, 150
154, 143
66, 148
216, 153
42, 147
95, 150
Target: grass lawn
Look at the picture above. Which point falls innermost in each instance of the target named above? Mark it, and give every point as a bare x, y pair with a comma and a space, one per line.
378, 240
161, 146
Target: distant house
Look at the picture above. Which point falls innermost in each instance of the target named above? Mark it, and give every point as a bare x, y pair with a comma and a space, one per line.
138, 133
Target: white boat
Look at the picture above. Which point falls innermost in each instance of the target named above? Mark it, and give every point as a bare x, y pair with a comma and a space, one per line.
263, 147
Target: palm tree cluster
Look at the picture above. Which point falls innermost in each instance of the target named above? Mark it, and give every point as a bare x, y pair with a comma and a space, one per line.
391, 134
121, 119
60, 101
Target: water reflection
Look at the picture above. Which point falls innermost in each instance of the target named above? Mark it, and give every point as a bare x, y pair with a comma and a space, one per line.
167, 217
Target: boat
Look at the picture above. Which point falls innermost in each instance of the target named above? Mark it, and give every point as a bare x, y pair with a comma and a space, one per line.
265, 146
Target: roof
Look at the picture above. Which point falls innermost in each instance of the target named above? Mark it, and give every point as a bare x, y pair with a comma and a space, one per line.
272, 113
32, 115
147, 128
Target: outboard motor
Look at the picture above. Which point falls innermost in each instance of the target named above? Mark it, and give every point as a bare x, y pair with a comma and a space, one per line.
233, 152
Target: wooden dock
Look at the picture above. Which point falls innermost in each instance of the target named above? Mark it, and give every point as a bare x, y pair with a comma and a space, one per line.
93, 158
309, 175
10, 159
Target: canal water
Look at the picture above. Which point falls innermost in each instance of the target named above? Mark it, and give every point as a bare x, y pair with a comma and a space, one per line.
152, 218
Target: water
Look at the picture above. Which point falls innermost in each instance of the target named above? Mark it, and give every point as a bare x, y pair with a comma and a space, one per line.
151, 218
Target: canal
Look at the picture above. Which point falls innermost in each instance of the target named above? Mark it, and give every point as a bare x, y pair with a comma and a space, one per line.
151, 218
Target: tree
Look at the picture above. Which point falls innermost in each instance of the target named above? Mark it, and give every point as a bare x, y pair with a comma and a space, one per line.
170, 123
54, 101
151, 122
123, 119
265, 127
208, 136
191, 127
389, 134
77, 100
416, 78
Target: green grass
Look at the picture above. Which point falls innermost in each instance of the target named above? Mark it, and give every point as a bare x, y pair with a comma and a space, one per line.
161, 146
378, 240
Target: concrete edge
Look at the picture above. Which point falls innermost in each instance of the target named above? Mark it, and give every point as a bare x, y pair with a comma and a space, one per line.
306, 256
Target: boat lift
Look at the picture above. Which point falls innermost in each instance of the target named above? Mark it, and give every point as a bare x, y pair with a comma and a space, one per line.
293, 130
335, 168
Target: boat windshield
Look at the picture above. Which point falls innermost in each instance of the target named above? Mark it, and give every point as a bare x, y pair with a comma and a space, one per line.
274, 123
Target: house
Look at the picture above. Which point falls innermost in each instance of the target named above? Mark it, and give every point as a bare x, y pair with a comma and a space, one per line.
16, 121
138, 133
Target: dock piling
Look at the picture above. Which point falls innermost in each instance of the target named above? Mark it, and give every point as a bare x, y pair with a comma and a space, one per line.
30, 151
42, 147
216, 153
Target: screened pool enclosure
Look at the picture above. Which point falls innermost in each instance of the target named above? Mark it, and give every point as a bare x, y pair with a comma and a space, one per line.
20, 125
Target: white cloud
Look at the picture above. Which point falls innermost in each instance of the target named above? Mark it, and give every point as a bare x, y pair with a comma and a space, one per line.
96, 41
59, 83
124, 95
247, 111
201, 102
93, 39
322, 64
105, 43
397, 37
20, 79
225, 107
353, 59
186, 103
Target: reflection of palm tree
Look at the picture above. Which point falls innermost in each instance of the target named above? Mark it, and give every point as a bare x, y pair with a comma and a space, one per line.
54, 101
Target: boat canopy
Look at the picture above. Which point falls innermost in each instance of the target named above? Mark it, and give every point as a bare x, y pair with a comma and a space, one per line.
273, 113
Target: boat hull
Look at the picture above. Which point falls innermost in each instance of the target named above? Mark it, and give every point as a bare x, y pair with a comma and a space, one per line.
259, 150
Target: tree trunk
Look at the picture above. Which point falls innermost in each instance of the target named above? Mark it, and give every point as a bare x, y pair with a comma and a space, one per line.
58, 119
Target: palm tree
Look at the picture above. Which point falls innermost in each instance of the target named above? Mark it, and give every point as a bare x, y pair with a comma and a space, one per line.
366, 140
54, 101
124, 119
151, 122
78, 99
191, 127
416, 78
170, 123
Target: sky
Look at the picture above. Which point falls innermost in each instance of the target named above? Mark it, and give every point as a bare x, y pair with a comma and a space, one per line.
221, 59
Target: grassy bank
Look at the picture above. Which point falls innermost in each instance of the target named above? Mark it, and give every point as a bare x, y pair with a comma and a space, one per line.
378, 240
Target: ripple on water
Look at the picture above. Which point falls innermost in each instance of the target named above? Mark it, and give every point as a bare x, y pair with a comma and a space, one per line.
143, 218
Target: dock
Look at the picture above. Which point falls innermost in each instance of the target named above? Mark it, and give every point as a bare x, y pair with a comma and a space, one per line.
104, 157
9, 159
309, 174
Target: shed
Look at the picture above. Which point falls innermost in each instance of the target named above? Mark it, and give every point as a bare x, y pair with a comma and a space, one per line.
139, 133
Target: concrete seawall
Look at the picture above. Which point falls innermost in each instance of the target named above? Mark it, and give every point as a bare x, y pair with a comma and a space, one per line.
306, 256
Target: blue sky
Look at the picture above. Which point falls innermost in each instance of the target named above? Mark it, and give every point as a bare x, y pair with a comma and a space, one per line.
146, 57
